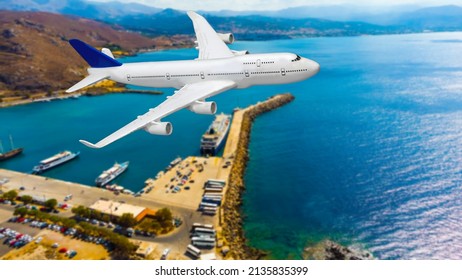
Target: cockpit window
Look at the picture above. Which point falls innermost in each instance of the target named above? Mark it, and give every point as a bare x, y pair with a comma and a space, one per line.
297, 58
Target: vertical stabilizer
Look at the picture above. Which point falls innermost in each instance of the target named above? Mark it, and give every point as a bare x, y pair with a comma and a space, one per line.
92, 56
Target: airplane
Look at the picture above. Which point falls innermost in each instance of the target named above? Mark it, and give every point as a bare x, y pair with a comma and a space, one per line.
217, 69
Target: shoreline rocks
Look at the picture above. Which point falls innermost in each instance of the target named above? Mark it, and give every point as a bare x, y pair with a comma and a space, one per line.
330, 250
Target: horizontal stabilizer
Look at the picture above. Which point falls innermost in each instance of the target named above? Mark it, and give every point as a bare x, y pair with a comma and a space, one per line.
93, 78
92, 56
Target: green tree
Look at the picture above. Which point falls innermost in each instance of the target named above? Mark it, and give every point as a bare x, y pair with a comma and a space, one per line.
34, 213
164, 217
105, 218
145, 225
20, 211
69, 223
10, 195
26, 199
156, 227
79, 211
127, 220
54, 219
51, 203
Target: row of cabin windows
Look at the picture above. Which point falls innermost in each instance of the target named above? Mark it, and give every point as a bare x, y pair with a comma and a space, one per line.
185, 75
265, 72
217, 74
221, 74
144, 77
262, 62
298, 70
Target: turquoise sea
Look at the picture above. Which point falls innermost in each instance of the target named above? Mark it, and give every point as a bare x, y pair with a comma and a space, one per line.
369, 153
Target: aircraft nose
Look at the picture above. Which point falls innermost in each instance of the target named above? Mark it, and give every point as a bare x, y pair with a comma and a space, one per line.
313, 66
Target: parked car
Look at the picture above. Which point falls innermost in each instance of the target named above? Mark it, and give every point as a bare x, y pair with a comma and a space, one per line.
71, 253
165, 254
6, 241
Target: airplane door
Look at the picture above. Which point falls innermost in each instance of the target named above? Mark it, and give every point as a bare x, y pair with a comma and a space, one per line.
202, 75
167, 75
128, 77
246, 72
258, 62
283, 71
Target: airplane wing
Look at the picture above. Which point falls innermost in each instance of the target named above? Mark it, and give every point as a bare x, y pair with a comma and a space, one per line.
209, 43
181, 99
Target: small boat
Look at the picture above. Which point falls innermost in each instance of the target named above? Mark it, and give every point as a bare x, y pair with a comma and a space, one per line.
11, 153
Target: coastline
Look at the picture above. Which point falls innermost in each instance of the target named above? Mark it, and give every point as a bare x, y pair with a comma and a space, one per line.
102, 88
232, 220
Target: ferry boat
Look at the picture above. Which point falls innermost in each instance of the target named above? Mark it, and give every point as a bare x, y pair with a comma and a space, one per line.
54, 161
214, 137
11, 153
110, 174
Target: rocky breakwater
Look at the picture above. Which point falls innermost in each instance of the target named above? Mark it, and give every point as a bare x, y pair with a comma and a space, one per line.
329, 250
232, 217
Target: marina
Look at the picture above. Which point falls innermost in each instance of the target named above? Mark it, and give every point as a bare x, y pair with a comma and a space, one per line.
193, 188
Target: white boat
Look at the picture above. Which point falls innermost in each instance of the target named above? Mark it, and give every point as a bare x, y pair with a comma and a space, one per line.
214, 137
110, 174
54, 161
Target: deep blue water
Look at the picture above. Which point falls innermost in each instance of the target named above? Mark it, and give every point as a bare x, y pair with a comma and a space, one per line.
368, 154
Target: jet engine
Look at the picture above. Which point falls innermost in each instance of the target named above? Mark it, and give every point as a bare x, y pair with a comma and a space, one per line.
205, 108
237, 53
159, 128
228, 38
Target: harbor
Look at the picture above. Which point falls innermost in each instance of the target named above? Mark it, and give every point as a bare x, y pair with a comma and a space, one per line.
194, 188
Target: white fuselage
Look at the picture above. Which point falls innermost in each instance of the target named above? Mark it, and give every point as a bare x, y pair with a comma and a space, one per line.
244, 70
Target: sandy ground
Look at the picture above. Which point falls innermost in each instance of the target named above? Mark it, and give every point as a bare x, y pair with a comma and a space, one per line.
4, 215
44, 250
191, 198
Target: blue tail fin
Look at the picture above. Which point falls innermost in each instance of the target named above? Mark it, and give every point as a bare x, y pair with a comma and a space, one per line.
92, 56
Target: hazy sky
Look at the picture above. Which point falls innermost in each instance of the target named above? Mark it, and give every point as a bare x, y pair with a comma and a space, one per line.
239, 5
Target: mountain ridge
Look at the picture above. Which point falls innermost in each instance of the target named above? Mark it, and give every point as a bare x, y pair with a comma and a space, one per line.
35, 55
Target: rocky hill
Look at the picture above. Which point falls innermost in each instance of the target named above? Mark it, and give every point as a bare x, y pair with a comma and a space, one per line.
35, 55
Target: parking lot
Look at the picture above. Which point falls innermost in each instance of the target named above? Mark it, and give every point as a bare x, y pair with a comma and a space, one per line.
21, 228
